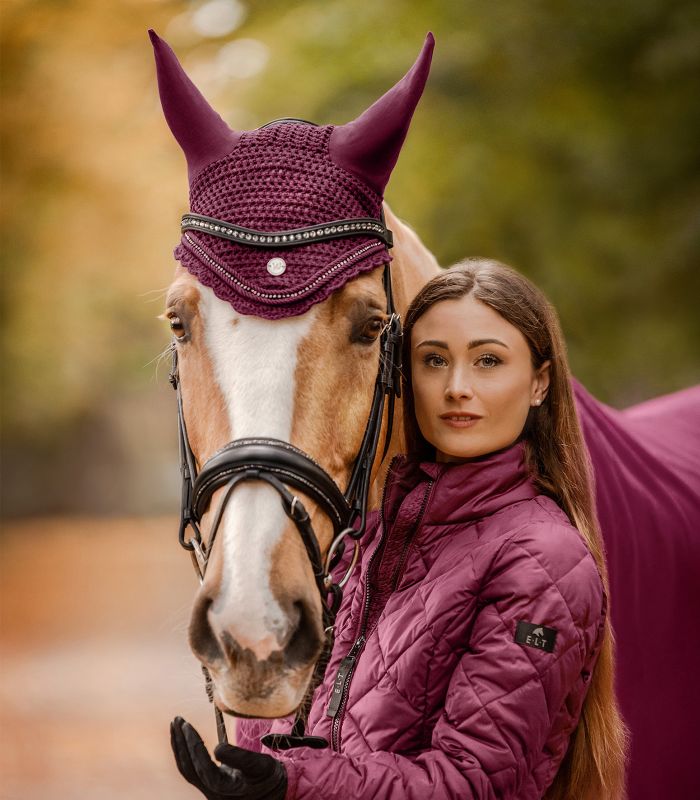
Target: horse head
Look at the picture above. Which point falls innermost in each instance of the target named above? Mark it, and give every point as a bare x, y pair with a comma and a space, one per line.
278, 342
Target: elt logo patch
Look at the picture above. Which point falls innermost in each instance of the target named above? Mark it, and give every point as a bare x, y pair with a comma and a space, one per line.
534, 635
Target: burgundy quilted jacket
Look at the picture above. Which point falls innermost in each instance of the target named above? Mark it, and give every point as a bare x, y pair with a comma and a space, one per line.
464, 645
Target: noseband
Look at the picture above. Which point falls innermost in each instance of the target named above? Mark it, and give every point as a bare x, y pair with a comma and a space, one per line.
288, 469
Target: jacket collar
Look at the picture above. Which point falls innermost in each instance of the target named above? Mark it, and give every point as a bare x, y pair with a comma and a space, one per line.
464, 491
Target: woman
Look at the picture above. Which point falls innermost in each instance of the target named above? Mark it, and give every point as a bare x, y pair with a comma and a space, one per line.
473, 654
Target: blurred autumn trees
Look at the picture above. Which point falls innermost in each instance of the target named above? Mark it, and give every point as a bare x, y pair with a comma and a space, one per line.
561, 137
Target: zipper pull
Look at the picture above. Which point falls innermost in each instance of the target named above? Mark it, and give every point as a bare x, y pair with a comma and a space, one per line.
341, 679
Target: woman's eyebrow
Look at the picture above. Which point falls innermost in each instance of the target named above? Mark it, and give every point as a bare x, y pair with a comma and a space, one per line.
478, 342
474, 343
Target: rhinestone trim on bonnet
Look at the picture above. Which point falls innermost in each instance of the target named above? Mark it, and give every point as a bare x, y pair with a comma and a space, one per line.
338, 230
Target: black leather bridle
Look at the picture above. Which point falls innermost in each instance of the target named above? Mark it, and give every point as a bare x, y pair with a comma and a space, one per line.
282, 465
285, 467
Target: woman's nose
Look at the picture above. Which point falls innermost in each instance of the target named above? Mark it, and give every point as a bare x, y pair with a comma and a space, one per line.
458, 385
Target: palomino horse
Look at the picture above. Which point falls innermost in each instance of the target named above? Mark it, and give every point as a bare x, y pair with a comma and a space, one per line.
278, 354
308, 379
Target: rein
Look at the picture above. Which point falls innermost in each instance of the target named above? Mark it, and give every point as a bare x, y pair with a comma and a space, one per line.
286, 468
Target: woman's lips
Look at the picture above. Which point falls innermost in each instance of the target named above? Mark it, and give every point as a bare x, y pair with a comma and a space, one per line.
460, 420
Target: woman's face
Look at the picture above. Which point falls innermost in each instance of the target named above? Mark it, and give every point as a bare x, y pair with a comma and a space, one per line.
473, 379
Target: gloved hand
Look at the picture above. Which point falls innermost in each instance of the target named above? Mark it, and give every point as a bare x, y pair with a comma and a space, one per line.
243, 775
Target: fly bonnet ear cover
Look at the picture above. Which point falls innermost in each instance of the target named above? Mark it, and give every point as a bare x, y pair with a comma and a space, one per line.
282, 178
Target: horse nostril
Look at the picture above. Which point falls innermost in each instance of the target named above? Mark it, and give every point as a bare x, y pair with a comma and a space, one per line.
306, 640
203, 641
286, 624
232, 649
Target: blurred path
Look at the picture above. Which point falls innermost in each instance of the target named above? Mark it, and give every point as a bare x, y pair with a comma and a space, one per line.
94, 660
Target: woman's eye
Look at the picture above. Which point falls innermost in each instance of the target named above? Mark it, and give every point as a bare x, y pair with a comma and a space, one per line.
488, 360
434, 360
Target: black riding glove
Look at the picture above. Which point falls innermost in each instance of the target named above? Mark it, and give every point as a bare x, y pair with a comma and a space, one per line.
243, 775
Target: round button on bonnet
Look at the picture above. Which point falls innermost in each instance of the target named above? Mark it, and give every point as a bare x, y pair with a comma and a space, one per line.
276, 266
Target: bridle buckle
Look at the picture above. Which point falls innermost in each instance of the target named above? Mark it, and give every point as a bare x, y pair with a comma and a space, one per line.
332, 550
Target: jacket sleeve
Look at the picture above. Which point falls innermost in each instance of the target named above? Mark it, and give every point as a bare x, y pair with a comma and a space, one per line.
506, 701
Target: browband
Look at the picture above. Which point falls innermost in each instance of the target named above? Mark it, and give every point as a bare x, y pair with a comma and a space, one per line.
362, 226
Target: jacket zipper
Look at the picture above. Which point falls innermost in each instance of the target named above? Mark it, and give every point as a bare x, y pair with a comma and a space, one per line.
341, 685
409, 539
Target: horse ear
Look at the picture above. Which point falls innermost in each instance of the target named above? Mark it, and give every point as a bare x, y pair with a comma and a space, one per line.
369, 146
199, 130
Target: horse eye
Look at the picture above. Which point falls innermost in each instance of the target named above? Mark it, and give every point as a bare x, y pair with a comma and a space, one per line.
371, 330
176, 326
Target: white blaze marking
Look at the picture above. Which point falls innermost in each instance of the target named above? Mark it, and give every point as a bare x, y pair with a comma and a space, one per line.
254, 362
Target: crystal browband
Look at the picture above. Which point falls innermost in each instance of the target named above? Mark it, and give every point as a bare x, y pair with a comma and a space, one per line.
363, 226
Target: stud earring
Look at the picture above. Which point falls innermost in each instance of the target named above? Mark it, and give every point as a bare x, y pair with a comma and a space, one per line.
538, 401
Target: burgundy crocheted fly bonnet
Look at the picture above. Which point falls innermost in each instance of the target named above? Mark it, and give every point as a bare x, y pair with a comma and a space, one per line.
283, 215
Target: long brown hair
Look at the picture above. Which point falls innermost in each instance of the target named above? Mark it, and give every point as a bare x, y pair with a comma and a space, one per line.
594, 765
